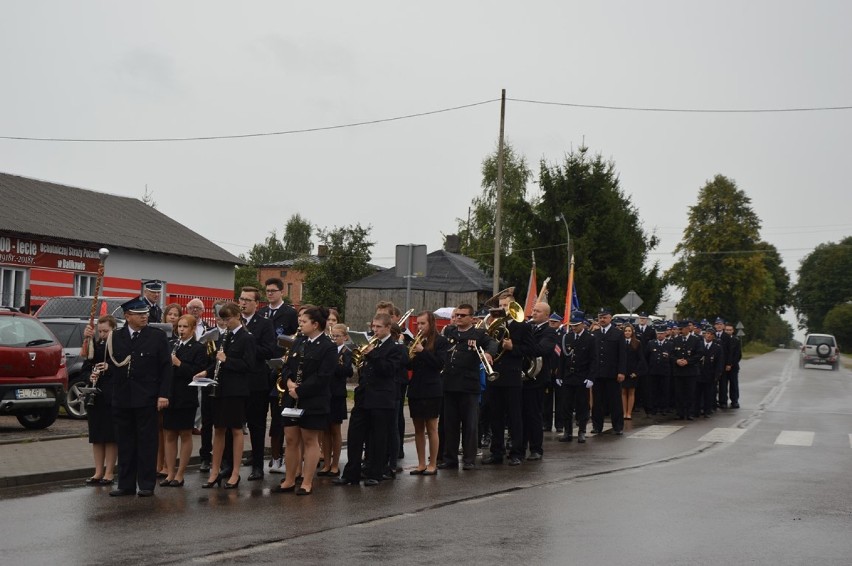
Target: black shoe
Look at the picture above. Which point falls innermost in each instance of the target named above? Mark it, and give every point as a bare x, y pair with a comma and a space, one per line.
165, 483
233, 485
492, 459
565, 438
93, 481
119, 492
370, 482
546, 429
533, 457
106, 482
619, 433
429, 473
279, 489
735, 405
389, 475
596, 431
205, 466
559, 429
514, 461
690, 418
176, 483
342, 481
448, 466
217, 482
581, 437
145, 492
303, 491
468, 466
417, 472
256, 474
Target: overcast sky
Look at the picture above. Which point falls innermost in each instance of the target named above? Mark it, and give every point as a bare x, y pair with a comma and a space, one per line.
185, 69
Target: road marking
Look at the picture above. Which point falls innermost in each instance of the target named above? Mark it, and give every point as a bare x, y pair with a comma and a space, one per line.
850, 441
795, 438
723, 435
383, 520
656, 432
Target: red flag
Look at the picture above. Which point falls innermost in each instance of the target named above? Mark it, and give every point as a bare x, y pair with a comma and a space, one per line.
532, 291
569, 293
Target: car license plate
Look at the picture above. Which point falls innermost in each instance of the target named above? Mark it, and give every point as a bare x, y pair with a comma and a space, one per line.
31, 393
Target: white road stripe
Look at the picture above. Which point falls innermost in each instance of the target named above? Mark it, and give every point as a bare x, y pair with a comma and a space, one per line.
795, 438
723, 435
656, 432
850, 441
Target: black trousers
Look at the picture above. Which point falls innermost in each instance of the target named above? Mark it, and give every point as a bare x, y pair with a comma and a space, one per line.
729, 387
205, 452
377, 423
257, 404
575, 402
461, 413
136, 433
684, 394
607, 395
552, 414
532, 401
658, 393
705, 396
505, 406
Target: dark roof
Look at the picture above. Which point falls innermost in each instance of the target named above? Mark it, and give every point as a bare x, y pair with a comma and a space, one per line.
445, 271
50, 210
311, 259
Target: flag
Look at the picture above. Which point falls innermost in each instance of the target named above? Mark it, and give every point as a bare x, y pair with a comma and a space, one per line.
532, 292
570, 294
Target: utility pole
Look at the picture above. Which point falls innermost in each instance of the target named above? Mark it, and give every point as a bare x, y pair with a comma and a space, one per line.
497, 216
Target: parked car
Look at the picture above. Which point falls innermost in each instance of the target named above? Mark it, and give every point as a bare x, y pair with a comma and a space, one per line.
69, 332
33, 377
820, 349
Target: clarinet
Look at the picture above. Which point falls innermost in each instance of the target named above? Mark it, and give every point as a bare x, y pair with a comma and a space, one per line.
215, 385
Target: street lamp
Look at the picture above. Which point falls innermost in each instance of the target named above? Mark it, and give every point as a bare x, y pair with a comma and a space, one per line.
567, 232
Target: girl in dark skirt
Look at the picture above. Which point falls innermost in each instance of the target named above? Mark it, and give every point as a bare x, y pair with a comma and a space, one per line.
234, 361
99, 415
332, 441
188, 358
311, 368
425, 392
636, 368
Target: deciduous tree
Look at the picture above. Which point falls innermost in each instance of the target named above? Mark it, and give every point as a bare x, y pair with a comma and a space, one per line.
825, 280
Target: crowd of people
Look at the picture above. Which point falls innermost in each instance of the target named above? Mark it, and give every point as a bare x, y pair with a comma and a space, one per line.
491, 383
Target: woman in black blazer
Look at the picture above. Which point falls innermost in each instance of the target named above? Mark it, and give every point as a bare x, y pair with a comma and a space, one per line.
188, 358
311, 368
636, 369
332, 439
425, 391
234, 362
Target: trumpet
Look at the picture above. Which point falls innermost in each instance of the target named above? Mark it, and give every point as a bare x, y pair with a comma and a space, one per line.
412, 349
489, 371
358, 355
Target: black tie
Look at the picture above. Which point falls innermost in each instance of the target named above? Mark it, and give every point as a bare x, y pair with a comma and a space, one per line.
135, 335
271, 313
243, 320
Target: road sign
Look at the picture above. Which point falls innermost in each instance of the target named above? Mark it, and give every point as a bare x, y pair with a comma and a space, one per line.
740, 326
740, 333
631, 301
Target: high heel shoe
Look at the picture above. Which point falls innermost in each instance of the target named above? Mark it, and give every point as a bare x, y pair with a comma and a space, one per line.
233, 485
176, 483
217, 482
165, 483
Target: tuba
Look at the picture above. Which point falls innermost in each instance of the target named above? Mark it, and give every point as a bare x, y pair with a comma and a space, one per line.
285, 342
498, 329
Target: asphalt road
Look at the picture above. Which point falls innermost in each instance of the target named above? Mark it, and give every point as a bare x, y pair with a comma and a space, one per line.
767, 484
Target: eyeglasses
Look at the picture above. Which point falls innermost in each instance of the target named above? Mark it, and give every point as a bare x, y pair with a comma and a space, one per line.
268, 291
194, 308
246, 300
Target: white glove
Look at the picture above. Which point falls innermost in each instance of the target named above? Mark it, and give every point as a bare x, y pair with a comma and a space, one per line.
559, 383
588, 383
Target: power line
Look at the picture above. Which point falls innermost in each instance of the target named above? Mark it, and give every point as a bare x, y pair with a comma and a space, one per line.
252, 135
683, 110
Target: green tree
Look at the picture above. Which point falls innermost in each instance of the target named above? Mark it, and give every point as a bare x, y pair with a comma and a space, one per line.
297, 237
838, 321
825, 280
268, 251
347, 260
245, 276
723, 267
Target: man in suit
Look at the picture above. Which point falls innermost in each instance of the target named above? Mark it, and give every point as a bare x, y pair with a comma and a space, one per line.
374, 406
285, 322
266, 348
658, 355
686, 356
544, 342
575, 361
725, 342
644, 330
730, 382
712, 366
141, 365
552, 413
608, 369
151, 293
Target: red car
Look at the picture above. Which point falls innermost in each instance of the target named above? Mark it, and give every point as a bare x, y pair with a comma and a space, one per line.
33, 377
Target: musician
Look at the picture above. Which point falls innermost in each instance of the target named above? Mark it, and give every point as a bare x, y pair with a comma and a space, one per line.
332, 441
235, 362
462, 388
544, 342
730, 381
608, 370
99, 414
658, 355
374, 402
712, 367
260, 378
285, 322
138, 358
425, 394
195, 307
205, 451
686, 356
552, 392
151, 293
505, 393
575, 361
311, 368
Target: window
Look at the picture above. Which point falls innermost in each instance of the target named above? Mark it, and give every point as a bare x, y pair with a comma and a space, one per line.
12, 286
84, 285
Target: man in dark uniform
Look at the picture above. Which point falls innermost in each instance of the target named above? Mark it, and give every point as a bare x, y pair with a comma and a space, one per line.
374, 406
644, 330
257, 404
285, 322
552, 413
725, 342
686, 358
608, 369
575, 361
140, 362
712, 366
505, 393
658, 355
731, 375
151, 292
462, 389
544, 342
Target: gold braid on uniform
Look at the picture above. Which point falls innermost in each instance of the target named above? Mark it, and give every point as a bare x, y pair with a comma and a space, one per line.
109, 353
